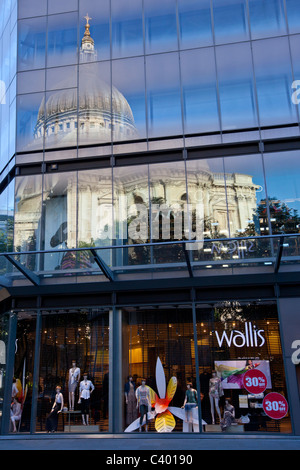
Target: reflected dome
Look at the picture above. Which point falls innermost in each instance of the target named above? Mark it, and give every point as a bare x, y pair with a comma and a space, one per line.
95, 112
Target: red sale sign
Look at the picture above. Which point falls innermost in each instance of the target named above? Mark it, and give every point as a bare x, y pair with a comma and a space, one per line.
255, 381
275, 405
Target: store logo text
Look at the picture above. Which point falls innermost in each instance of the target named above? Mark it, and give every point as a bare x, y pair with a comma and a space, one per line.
251, 337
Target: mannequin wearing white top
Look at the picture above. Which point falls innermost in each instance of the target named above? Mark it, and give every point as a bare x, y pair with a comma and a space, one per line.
86, 388
74, 377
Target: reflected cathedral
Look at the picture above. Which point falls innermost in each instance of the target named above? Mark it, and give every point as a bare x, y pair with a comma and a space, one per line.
101, 114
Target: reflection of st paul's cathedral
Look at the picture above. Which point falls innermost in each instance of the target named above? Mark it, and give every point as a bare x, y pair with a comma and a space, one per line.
97, 109
98, 114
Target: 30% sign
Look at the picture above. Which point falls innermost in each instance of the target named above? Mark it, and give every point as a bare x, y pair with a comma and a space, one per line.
275, 405
255, 381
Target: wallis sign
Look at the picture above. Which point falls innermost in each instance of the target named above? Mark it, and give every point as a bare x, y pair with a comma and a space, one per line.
250, 337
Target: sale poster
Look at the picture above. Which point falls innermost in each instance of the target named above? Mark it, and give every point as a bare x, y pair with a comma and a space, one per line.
232, 373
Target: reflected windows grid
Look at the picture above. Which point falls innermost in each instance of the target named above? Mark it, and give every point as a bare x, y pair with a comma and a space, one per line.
273, 81
127, 28
32, 43
267, 18
62, 39
128, 78
236, 86
163, 95
160, 26
199, 90
230, 21
195, 27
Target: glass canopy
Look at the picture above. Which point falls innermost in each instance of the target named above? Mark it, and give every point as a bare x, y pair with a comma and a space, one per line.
145, 261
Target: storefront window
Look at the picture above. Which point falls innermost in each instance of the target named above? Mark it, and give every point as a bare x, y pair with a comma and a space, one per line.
234, 337
4, 319
160, 349
74, 344
23, 373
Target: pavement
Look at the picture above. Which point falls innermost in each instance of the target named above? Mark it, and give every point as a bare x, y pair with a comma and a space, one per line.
152, 443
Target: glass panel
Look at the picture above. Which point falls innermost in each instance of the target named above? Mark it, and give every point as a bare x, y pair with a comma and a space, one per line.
74, 344
194, 23
95, 210
4, 325
23, 373
199, 87
60, 218
30, 82
28, 207
61, 77
293, 15
32, 8
149, 336
283, 191
237, 97
163, 95
160, 26
56, 6
7, 225
128, 100
168, 209
274, 80
99, 25
29, 113
207, 198
295, 52
267, 18
246, 196
230, 21
31, 43
131, 213
127, 28
95, 100
62, 39
234, 338
60, 117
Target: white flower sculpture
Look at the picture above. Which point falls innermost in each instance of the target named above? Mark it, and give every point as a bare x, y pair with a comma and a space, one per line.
162, 413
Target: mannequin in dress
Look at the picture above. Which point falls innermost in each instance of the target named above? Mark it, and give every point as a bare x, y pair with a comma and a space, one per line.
130, 400
74, 377
215, 393
143, 402
52, 419
86, 388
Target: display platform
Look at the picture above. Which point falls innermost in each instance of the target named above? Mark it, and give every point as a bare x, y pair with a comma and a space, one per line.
79, 429
234, 429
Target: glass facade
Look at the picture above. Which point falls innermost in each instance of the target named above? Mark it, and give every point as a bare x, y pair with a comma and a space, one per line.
145, 141
174, 78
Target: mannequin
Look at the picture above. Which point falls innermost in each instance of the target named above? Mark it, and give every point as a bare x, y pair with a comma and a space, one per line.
215, 393
190, 401
143, 402
52, 419
85, 390
74, 377
229, 415
130, 400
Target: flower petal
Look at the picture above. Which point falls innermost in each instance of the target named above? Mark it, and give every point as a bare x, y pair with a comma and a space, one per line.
160, 379
165, 422
172, 386
153, 396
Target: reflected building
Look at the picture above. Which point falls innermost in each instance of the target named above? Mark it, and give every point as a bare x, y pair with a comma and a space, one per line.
98, 113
